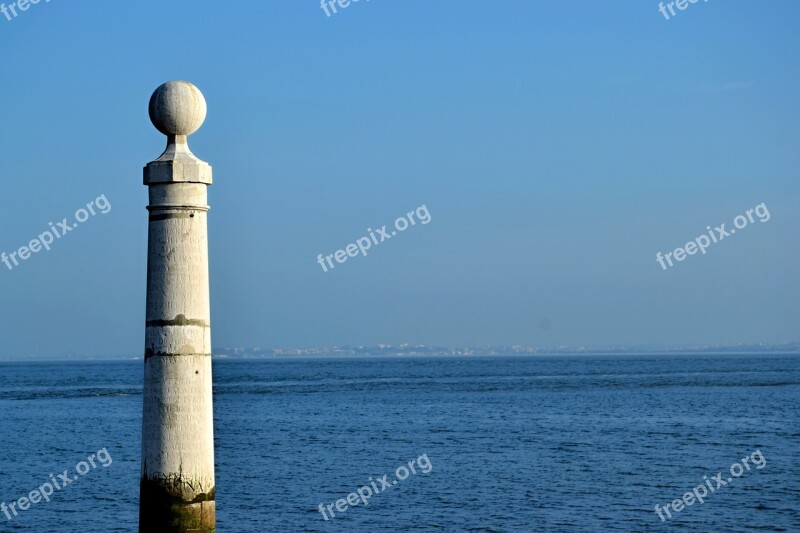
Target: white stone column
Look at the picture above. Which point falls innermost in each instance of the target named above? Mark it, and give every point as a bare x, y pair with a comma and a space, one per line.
177, 486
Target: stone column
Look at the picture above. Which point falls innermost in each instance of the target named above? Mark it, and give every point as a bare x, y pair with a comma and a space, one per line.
177, 485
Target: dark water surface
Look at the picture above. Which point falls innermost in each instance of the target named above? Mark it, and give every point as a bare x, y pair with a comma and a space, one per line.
516, 444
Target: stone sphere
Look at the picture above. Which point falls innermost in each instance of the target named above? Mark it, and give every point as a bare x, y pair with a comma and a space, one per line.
177, 108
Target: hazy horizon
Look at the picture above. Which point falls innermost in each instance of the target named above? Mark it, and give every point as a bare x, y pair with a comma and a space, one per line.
251, 353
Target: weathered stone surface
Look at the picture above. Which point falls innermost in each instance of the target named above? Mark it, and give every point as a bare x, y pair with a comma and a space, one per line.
177, 108
178, 485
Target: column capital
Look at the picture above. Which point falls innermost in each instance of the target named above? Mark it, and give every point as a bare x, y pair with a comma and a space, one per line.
177, 109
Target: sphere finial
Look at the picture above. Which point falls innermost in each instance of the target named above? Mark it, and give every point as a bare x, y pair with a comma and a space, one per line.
177, 108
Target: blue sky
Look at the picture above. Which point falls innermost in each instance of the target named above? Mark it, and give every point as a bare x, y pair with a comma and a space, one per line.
557, 145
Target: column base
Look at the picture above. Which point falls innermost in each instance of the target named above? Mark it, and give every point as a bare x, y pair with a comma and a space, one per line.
159, 512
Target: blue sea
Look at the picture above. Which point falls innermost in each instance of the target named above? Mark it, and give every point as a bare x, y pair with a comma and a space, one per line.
568, 443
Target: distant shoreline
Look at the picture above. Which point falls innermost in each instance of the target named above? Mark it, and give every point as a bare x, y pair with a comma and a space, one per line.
781, 350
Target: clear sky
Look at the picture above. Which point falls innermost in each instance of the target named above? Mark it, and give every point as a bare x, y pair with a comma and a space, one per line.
558, 146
